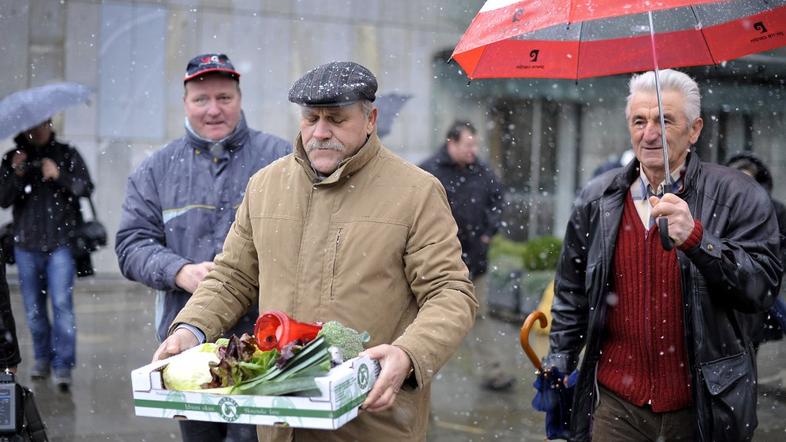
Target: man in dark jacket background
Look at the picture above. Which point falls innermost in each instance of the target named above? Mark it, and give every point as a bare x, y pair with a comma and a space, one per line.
774, 322
43, 180
475, 196
667, 353
181, 201
474, 192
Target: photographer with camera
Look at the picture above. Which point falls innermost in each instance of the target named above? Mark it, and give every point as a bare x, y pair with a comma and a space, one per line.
43, 180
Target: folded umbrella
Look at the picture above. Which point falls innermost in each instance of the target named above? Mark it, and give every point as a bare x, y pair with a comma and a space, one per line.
28, 108
553, 395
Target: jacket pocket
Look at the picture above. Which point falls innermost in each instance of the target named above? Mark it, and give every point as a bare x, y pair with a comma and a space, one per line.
731, 384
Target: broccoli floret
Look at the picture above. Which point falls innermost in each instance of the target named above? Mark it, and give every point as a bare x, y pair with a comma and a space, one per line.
349, 341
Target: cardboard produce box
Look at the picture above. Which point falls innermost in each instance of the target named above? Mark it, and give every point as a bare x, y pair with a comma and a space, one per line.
342, 390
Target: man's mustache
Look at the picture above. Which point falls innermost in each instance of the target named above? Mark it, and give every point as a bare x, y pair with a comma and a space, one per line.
324, 145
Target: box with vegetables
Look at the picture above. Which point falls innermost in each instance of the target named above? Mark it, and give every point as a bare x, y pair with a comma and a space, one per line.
288, 373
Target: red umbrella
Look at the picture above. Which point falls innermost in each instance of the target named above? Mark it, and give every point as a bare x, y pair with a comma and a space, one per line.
576, 39
588, 38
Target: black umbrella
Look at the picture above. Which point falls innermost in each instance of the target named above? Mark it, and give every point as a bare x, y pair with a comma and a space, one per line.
388, 106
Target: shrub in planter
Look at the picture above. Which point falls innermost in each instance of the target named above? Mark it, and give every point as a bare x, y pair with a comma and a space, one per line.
542, 253
540, 261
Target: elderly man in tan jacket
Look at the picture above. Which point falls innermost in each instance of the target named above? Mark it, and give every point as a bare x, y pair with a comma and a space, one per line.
343, 229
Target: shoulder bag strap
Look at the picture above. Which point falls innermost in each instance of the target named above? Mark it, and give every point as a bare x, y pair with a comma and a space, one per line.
92, 207
35, 427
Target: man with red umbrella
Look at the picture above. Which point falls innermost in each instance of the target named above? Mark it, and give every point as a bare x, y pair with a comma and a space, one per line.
667, 353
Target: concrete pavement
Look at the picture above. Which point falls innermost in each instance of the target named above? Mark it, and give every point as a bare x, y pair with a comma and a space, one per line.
116, 335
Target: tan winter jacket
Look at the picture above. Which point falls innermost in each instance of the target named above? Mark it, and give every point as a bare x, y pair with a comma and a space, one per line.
373, 246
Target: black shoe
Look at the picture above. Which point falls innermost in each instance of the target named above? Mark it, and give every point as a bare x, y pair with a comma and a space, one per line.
499, 382
62, 379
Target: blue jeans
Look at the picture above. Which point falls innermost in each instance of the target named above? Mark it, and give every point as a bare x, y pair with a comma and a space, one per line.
49, 273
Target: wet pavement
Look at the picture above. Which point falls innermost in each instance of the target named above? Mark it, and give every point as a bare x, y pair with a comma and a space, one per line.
116, 335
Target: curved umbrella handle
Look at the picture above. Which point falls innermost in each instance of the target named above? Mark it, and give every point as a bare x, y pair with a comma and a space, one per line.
663, 228
536, 315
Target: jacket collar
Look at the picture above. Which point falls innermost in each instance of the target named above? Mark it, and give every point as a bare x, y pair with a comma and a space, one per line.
443, 159
631, 173
233, 141
346, 168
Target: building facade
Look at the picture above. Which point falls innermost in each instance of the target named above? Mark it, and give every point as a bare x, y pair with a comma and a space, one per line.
543, 137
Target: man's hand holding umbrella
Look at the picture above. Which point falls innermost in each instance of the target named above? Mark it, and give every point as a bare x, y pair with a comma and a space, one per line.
678, 214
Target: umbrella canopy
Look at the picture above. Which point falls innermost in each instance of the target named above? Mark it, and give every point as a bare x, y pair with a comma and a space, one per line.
588, 38
553, 394
28, 108
388, 106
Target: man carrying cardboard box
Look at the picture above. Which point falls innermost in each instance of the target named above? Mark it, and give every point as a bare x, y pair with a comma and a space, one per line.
343, 229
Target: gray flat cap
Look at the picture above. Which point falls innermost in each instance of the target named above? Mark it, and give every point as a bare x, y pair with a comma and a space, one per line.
334, 84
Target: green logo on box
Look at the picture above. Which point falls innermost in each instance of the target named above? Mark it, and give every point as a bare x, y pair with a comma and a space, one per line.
363, 376
228, 409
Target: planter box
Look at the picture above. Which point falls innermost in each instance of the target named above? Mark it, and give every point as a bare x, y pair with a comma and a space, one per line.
513, 292
342, 390
533, 283
504, 290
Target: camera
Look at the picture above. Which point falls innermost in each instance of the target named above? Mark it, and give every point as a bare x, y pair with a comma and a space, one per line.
11, 407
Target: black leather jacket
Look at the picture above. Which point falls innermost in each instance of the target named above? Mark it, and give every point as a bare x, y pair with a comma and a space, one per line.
733, 273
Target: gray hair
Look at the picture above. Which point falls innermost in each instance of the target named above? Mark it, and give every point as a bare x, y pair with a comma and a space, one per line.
670, 80
367, 107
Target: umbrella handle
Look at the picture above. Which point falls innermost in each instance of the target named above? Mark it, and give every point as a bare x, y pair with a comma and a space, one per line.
536, 315
663, 228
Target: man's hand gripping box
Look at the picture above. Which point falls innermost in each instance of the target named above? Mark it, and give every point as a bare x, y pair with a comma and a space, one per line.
342, 390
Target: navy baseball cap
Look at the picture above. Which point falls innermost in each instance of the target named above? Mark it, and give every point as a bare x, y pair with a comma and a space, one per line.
207, 63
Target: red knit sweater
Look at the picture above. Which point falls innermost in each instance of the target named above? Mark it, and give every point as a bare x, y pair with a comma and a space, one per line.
643, 354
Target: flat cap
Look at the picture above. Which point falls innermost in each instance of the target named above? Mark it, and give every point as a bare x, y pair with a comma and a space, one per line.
334, 84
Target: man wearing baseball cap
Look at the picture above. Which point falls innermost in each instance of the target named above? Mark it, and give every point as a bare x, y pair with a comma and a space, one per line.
343, 229
180, 203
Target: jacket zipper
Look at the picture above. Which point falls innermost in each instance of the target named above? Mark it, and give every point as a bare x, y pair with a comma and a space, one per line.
335, 258
694, 375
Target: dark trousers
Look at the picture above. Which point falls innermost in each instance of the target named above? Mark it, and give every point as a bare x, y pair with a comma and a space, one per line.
198, 431
616, 419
